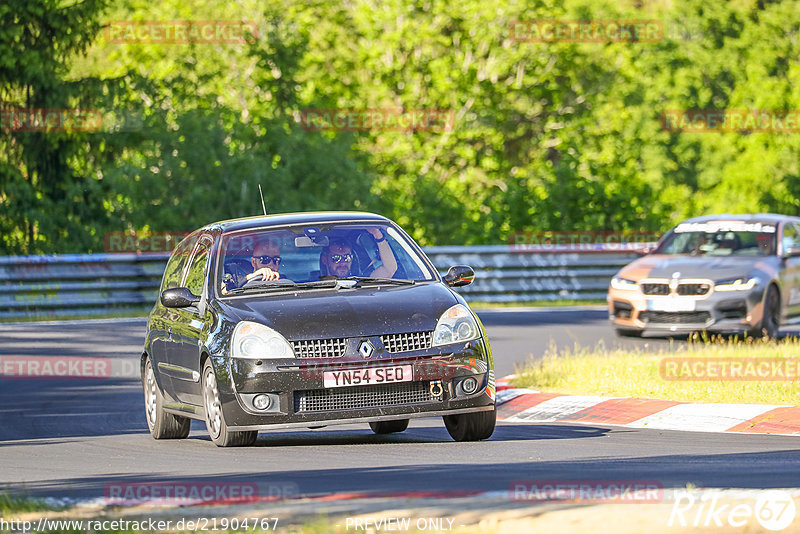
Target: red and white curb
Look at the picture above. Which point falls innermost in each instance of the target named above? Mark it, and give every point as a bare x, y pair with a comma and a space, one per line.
516, 405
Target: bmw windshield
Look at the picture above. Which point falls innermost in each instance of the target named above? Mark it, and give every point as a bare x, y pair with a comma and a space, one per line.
720, 238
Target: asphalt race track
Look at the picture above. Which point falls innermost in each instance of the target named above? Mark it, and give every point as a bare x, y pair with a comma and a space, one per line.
71, 438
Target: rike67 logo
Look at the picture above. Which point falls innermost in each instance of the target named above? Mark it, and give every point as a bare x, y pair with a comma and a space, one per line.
772, 509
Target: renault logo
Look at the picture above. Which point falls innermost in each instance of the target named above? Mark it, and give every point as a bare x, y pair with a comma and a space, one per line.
366, 349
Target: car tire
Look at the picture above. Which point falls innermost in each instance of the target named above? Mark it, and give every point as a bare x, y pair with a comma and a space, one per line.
471, 426
389, 427
770, 322
162, 425
215, 419
621, 332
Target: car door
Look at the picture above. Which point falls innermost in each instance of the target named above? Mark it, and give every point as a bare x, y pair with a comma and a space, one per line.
184, 354
162, 319
790, 272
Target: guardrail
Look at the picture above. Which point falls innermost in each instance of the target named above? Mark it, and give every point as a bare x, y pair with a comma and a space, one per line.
91, 284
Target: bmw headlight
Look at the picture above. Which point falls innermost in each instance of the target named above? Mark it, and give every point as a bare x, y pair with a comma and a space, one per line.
454, 326
738, 284
622, 283
255, 341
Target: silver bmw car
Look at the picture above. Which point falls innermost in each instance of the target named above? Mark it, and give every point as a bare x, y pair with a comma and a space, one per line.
718, 273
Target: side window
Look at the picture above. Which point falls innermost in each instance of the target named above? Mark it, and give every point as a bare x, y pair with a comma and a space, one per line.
791, 237
195, 277
176, 263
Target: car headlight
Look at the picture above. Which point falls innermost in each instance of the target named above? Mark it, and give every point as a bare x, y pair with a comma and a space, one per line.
255, 341
454, 326
739, 284
622, 283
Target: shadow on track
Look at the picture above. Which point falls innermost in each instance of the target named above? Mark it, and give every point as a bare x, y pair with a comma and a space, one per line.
46, 409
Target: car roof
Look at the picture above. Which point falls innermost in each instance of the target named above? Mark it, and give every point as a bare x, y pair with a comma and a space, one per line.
771, 218
313, 217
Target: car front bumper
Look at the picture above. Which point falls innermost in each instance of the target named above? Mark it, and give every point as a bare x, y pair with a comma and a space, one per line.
302, 400
721, 312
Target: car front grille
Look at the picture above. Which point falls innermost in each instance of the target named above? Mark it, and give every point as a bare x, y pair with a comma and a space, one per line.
694, 289
320, 348
350, 398
395, 343
655, 289
698, 317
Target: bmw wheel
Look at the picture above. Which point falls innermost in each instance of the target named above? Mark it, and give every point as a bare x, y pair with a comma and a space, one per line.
471, 426
162, 425
215, 419
389, 427
621, 332
770, 321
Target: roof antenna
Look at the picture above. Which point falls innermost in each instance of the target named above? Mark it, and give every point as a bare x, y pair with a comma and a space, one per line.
261, 194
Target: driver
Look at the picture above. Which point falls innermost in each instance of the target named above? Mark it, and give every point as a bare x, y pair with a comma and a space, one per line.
337, 258
266, 260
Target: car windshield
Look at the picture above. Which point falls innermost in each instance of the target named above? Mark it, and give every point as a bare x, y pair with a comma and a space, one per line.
720, 239
317, 256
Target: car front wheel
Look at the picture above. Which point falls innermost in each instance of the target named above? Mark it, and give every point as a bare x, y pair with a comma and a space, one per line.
389, 427
471, 426
621, 332
215, 419
162, 425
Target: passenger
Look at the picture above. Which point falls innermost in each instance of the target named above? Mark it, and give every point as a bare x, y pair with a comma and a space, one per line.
337, 258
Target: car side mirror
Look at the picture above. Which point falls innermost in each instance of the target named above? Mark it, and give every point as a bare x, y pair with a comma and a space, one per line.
791, 252
179, 297
459, 275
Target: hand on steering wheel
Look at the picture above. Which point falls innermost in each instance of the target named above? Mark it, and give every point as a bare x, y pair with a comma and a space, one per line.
264, 274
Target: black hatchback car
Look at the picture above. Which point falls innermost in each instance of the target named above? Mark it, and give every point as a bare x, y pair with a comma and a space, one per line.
312, 319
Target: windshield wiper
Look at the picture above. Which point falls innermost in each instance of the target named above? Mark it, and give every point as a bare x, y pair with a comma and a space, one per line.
349, 282
280, 285
370, 280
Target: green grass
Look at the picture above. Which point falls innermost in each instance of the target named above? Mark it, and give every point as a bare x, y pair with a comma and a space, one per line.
636, 373
109, 315
12, 504
536, 303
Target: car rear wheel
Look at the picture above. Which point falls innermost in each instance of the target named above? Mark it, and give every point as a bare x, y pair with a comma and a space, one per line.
389, 427
162, 425
215, 419
471, 426
769, 325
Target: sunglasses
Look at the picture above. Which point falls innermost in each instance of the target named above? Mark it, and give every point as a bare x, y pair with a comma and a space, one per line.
269, 259
339, 258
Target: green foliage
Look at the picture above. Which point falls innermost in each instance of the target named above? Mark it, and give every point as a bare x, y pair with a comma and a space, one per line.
547, 136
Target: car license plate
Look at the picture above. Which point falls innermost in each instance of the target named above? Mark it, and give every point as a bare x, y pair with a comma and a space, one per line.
371, 375
673, 304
